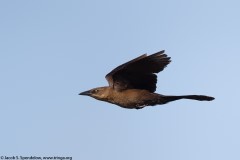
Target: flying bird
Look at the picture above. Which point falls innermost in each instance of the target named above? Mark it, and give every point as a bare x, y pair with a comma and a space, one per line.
132, 84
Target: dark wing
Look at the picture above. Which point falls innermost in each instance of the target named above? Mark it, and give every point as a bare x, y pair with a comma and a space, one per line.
138, 73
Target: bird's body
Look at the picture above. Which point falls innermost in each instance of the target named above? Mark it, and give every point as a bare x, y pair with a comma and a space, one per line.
131, 98
136, 98
132, 84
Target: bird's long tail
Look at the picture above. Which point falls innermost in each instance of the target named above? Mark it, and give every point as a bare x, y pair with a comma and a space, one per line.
166, 99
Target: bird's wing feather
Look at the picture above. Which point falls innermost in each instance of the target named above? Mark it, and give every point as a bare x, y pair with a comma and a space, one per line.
109, 76
138, 73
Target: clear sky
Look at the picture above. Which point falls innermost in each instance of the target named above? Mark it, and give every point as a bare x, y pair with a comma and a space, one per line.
52, 50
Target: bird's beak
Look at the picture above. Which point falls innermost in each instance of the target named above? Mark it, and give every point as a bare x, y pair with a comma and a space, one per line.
86, 93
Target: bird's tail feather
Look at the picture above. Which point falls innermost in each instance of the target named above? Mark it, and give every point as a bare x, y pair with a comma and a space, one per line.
166, 99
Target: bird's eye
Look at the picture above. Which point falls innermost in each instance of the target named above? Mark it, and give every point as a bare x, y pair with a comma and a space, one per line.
95, 91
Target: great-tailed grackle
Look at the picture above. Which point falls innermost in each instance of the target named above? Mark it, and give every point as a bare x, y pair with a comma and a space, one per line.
132, 84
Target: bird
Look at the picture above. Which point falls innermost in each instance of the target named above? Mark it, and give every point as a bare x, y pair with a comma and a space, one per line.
132, 85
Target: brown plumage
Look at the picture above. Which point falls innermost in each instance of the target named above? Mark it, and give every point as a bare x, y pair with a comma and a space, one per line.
132, 84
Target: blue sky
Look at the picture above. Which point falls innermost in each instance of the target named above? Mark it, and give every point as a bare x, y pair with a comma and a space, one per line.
52, 50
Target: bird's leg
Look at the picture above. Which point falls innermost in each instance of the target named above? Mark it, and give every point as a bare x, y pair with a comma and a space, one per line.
139, 108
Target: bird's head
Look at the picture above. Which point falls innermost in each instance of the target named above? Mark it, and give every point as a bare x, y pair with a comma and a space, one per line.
100, 93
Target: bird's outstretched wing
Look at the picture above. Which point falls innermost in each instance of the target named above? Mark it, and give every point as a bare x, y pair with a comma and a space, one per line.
138, 73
